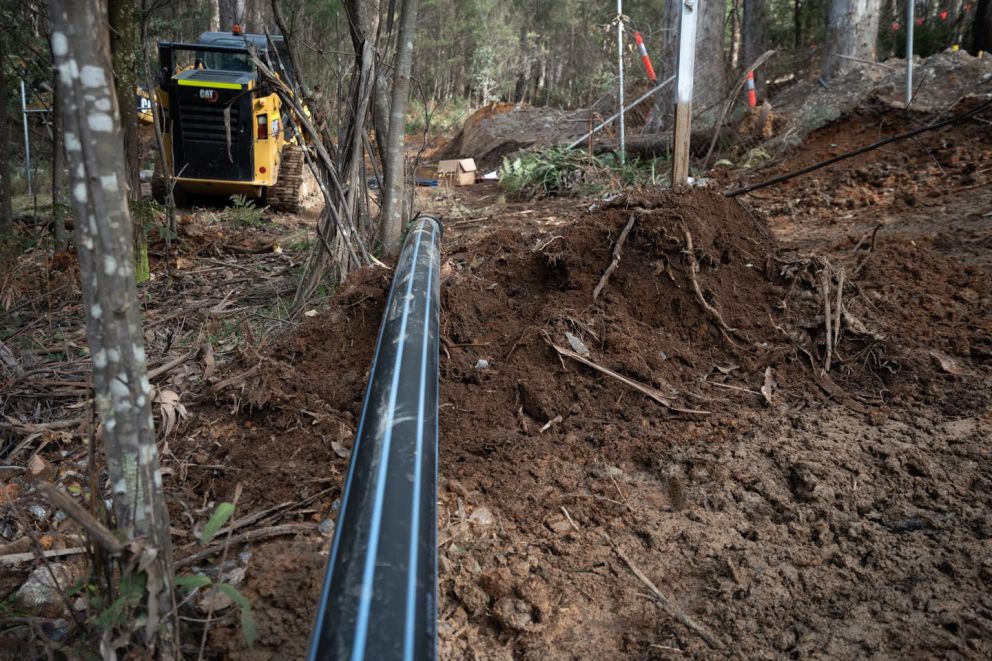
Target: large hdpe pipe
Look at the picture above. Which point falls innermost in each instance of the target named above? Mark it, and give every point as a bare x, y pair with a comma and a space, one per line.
379, 597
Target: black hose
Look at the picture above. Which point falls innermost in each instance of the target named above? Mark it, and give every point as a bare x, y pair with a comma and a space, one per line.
379, 599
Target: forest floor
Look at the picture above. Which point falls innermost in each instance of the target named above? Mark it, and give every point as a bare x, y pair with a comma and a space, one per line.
761, 495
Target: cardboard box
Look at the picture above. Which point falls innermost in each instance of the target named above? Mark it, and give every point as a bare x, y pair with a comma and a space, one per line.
460, 171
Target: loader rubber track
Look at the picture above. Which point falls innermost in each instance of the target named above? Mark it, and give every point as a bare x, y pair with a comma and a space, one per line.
295, 186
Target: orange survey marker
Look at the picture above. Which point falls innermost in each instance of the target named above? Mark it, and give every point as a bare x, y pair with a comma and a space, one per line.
752, 95
644, 57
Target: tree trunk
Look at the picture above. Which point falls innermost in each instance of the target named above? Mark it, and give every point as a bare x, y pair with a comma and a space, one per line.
123, 45
391, 223
754, 39
362, 29
6, 211
225, 14
852, 30
214, 16
710, 74
58, 172
981, 29
81, 47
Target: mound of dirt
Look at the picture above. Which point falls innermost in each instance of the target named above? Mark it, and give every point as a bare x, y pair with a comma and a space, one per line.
942, 80
644, 415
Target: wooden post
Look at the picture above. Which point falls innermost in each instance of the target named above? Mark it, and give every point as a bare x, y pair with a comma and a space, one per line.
683, 92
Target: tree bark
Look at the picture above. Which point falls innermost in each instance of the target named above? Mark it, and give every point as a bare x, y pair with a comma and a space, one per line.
754, 39
391, 222
711, 73
852, 30
123, 46
981, 29
214, 15
58, 172
81, 47
6, 212
361, 21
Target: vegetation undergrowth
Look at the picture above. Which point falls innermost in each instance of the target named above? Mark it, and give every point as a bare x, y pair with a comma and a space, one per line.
560, 171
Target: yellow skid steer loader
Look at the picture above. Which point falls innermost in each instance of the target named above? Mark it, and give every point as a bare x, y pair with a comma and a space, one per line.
225, 132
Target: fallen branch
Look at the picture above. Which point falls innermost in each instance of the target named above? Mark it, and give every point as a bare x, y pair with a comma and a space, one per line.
13, 559
250, 536
666, 604
693, 269
825, 288
99, 532
640, 387
857, 152
615, 261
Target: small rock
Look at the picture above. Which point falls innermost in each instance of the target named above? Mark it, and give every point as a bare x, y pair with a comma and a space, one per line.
340, 450
513, 614
37, 511
471, 596
39, 469
497, 583
482, 517
326, 527
40, 594
482, 364
578, 346
558, 525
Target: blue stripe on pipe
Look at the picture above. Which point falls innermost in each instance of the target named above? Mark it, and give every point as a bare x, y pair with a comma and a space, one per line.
365, 600
339, 524
411, 576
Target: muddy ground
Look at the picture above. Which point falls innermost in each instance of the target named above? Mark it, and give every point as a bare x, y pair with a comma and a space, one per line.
849, 516
780, 507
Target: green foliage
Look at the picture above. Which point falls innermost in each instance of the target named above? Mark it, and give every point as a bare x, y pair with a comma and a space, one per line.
248, 629
559, 171
130, 592
220, 516
244, 212
446, 117
193, 582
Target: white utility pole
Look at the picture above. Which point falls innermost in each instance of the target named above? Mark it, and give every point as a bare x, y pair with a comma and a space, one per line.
910, 24
623, 146
27, 139
683, 91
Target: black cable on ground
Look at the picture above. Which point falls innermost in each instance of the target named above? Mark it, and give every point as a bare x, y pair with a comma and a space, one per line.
860, 150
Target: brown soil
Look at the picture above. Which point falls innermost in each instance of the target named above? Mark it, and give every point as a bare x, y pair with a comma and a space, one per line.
849, 517
846, 513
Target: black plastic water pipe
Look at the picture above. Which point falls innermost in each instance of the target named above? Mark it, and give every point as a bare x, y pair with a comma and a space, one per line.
379, 599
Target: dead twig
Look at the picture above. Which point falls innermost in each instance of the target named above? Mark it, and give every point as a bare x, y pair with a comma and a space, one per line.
13, 559
640, 387
730, 104
250, 536
862, 260
825, 288
615, 261
98, 532
840, 307
693, 269
662, 600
